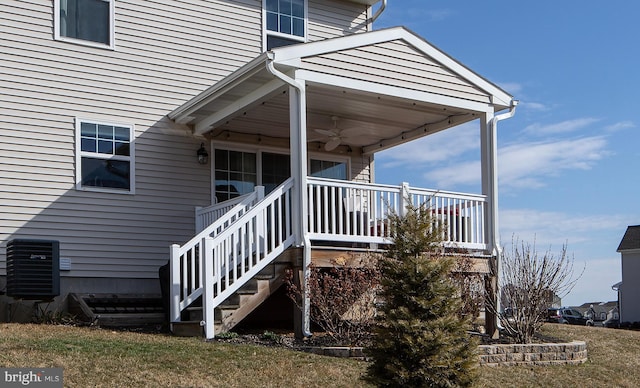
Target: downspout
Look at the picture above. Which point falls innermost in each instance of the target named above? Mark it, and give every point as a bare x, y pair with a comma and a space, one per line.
494, 128
306, 242
497, 249
378, 12
272, 69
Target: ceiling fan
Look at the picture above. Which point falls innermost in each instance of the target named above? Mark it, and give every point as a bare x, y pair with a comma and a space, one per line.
335, 135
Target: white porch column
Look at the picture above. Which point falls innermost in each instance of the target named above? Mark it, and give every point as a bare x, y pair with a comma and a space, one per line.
489, 158
298, 145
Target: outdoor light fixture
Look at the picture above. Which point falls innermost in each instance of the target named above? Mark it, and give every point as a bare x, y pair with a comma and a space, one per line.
203, 155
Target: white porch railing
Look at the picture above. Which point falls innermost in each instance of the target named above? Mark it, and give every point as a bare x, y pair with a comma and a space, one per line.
229, 252
208, 215
358, 212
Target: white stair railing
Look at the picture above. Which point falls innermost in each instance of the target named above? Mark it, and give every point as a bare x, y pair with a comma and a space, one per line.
230, 252
206, 216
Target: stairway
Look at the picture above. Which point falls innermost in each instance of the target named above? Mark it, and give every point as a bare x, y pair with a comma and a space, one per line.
239, 305
117, 310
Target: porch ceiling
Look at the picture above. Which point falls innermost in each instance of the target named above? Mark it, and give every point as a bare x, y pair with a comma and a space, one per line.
375, 111
365, 119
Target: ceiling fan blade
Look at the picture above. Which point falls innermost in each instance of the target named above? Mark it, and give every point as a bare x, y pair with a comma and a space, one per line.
332, 144
325, 132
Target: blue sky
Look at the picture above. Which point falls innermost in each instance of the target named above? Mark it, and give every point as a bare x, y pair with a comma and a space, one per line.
568, 160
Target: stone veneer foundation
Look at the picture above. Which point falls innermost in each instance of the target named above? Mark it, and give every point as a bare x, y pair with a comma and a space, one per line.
533, 354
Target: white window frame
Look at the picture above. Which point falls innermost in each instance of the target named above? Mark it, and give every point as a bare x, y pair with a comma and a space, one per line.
329, 158
79, 154
266, 33
112, 29
240, 148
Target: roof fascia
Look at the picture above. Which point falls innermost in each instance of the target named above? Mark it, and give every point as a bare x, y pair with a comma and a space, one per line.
251, 68
632, 250
244, 102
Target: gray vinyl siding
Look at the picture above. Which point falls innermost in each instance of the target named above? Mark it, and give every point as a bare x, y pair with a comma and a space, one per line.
331, 18
396, 64
166, 51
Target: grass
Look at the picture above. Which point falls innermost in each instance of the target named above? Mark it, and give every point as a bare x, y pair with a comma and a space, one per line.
104, 358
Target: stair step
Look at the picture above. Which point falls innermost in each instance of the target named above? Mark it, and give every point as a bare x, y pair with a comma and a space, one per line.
241, 303
120, 310
228, 306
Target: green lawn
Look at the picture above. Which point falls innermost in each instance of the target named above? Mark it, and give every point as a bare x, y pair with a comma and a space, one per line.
104, 358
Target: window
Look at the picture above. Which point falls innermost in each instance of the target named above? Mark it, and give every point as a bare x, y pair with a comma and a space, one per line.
104, 156
285, 22
235, 174
328, 169
239, 172
85, 21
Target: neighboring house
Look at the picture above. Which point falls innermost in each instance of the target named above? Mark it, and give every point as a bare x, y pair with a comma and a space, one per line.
629, 289
597, 311
106, 102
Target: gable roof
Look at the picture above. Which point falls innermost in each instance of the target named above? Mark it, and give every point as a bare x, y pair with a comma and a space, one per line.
390, 86
375, 39
631, 239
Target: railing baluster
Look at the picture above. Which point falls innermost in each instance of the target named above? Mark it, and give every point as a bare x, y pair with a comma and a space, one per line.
242, 235
185, 274
272, 237
310, 209
193, 272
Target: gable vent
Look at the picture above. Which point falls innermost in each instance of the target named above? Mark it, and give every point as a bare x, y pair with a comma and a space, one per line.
33, 269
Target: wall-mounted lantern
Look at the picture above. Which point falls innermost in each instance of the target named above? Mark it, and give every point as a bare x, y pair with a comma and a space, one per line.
203, 155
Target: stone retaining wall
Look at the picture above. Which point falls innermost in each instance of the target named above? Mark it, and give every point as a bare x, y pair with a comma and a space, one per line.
494, 355
533, 354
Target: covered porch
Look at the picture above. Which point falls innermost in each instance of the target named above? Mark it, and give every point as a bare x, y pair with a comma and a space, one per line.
351, 96
355, 96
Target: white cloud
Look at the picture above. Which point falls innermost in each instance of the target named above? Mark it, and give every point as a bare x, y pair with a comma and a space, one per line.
458, 174
525, 165
511, 87
535, 106
555, 228
620, 125
561, 127
439, 147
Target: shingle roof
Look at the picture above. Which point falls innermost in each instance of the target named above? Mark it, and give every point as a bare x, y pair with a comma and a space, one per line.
631, 239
